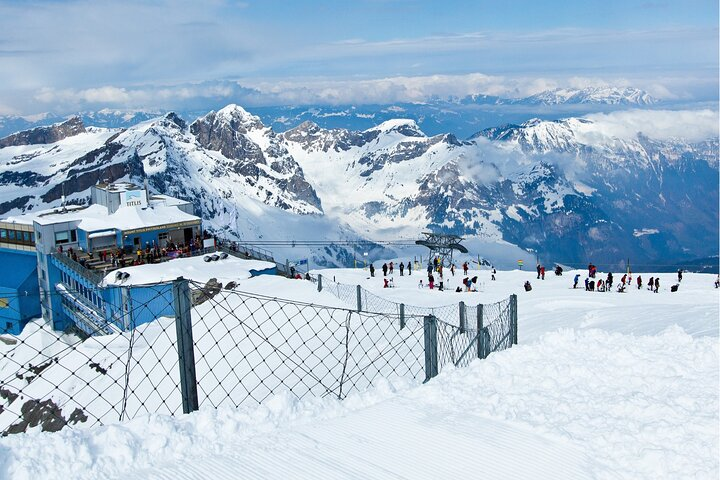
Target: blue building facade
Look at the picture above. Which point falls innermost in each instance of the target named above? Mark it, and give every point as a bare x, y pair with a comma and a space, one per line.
55, 261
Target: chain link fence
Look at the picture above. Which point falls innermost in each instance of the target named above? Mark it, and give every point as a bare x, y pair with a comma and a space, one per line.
221, 346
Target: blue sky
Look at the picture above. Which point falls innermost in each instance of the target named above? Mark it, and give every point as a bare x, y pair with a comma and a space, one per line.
73, 55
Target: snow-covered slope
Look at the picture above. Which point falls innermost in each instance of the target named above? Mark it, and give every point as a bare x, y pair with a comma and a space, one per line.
602, 385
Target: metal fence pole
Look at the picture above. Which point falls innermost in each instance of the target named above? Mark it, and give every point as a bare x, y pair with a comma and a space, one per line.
186, 353
359, 298
513, 318
402, 316
431, 353
319, 282
480, 336
463, 319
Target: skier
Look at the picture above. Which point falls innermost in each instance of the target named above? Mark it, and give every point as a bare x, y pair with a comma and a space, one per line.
493, 274
384, 268
542, 272
600, 285
577, 279
657, 284
386, 284
409, 267
402, 267
639, 282
391, 268
624, 279
372, 270
538, 271
431, 281
651, 283
609, 280
558, 270
680, 272
587, 284
465, 268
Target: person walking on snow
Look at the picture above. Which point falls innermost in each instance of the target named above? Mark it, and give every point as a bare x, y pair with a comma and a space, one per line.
657, 284
542, 272
465, 268
409, 267
538, 271
651, 283
609, 280
493, 274
372, 270
391, 268
576, 280
402, 267
384, 268
680, 272
639, 282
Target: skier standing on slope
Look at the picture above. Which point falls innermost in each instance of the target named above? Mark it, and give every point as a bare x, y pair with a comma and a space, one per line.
402, 268
372, 270
384, 268
576, 280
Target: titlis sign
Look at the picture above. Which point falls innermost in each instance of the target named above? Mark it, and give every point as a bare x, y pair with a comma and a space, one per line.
133, 198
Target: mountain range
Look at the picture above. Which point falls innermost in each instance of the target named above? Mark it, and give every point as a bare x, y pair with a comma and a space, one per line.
462, 116
560, 188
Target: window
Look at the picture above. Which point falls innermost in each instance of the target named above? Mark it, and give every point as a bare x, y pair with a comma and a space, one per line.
62, 237
73, 236
26, 237
8, 325
3, 234
39, 236
11, 234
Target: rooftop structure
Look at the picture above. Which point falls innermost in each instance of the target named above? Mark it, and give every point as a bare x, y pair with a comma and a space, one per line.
73, 247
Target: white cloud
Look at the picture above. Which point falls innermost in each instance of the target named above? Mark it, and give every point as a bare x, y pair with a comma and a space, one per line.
691, 125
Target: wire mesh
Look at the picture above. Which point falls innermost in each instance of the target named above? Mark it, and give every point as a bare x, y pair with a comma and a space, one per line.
244, 348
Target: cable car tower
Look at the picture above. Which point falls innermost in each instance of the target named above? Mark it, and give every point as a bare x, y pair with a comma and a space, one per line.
442, 246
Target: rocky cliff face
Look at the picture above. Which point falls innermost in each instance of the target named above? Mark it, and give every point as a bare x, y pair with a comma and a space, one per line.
44, 135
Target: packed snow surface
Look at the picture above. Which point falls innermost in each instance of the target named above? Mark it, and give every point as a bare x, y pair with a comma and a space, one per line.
224, 270
602, 385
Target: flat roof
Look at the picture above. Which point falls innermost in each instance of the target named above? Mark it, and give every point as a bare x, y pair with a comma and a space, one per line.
96, 217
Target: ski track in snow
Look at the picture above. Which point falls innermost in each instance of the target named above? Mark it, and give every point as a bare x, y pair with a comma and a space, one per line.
602, 385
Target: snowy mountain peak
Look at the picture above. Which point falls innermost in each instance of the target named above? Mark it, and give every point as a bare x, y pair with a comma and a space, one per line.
596, 95
403, 126
44, 135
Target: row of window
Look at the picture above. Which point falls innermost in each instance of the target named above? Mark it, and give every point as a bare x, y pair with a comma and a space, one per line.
17, 236
78, 288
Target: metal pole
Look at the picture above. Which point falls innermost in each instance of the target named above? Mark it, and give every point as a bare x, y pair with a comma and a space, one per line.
431, 354
463, 312
513, 318
359, 298
402, 316
319, 282
480, 341
186, 353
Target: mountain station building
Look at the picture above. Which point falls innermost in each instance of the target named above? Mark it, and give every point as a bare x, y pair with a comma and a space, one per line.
54, 261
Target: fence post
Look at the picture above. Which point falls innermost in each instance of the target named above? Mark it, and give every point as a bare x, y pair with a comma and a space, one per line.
402, 316
463, 319
186, 353
513, 318
359, 298
287, 268
431, 353
319, 282
480, 336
